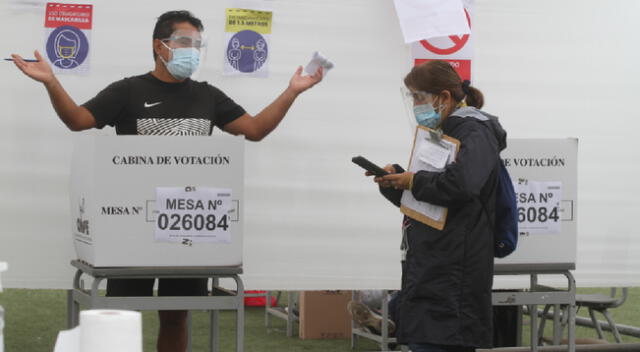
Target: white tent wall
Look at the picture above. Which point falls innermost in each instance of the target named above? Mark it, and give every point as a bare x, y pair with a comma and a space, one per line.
548, 68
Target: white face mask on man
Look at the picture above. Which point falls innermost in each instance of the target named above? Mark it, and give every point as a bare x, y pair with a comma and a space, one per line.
183, 63
186, 48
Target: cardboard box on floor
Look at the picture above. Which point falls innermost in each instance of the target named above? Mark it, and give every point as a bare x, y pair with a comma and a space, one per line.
324, 315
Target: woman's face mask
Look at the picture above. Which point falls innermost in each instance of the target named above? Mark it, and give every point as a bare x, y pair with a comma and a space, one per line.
183, 63
426, 114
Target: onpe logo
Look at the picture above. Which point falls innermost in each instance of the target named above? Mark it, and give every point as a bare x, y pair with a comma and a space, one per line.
81, 224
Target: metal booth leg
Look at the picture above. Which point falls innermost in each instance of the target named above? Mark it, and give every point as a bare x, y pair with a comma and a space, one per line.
267, 306
354, 337
543, 321
533, 314
571, 321
592, 314
384, 345
240, 328
290, 314
73, 307
612, 325
214, 322
73, 310
239, 314
557, 325
214, 334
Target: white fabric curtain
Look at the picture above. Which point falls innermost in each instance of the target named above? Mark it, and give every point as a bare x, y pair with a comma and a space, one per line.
549, 69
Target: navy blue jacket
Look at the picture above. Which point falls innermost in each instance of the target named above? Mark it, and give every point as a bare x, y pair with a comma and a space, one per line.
447, 275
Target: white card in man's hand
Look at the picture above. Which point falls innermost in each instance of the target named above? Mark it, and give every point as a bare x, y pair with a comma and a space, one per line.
318, 60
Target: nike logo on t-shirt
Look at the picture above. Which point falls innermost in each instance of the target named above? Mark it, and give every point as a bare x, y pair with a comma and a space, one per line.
148, 105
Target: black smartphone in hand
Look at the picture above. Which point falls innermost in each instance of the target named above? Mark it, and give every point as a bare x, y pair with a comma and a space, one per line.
369, 166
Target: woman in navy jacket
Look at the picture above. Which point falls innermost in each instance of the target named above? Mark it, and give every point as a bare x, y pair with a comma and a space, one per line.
445, 301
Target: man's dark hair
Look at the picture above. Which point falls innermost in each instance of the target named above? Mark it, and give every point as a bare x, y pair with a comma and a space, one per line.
166, 22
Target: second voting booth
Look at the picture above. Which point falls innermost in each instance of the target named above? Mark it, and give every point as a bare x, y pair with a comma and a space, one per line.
544, 174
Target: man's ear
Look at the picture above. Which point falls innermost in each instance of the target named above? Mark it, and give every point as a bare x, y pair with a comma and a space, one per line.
157, 46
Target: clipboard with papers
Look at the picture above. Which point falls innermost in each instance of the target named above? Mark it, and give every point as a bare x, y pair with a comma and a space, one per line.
432, 151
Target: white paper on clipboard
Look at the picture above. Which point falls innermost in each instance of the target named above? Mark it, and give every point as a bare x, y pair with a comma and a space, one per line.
432, 155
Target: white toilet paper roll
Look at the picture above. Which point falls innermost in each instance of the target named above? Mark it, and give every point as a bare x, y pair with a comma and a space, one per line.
68, 341
110, 330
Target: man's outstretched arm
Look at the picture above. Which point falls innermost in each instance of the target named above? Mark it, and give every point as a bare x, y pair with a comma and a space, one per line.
258, 127
77, 118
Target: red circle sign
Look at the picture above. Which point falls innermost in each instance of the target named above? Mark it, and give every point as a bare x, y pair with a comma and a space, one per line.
458, 42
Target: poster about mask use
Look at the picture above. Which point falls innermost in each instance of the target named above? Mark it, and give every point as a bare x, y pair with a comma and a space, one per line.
67, 29
247, 34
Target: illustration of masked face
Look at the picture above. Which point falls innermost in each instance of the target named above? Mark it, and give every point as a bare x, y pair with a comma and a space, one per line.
67, 48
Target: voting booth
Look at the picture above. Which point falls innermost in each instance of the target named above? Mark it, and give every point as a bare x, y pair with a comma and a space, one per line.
139, 201
544, 176
158, 207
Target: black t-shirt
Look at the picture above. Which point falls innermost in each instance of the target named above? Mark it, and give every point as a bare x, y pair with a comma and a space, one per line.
145, 105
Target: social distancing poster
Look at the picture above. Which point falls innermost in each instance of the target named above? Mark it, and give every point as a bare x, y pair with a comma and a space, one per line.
247, 49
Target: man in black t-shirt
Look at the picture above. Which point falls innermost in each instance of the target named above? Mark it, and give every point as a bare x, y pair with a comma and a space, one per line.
166, 102
146, 105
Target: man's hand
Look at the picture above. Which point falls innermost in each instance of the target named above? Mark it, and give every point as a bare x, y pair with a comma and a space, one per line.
255, 129
39, 71
77, 118
300, 83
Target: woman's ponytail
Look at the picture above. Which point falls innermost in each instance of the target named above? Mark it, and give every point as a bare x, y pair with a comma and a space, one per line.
473, 96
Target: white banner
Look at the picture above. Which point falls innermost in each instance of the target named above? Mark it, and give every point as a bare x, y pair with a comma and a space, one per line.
456, 49
423, 19
313, 221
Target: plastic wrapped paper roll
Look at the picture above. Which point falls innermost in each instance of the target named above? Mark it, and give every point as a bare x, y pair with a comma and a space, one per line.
103, 331
110, 330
